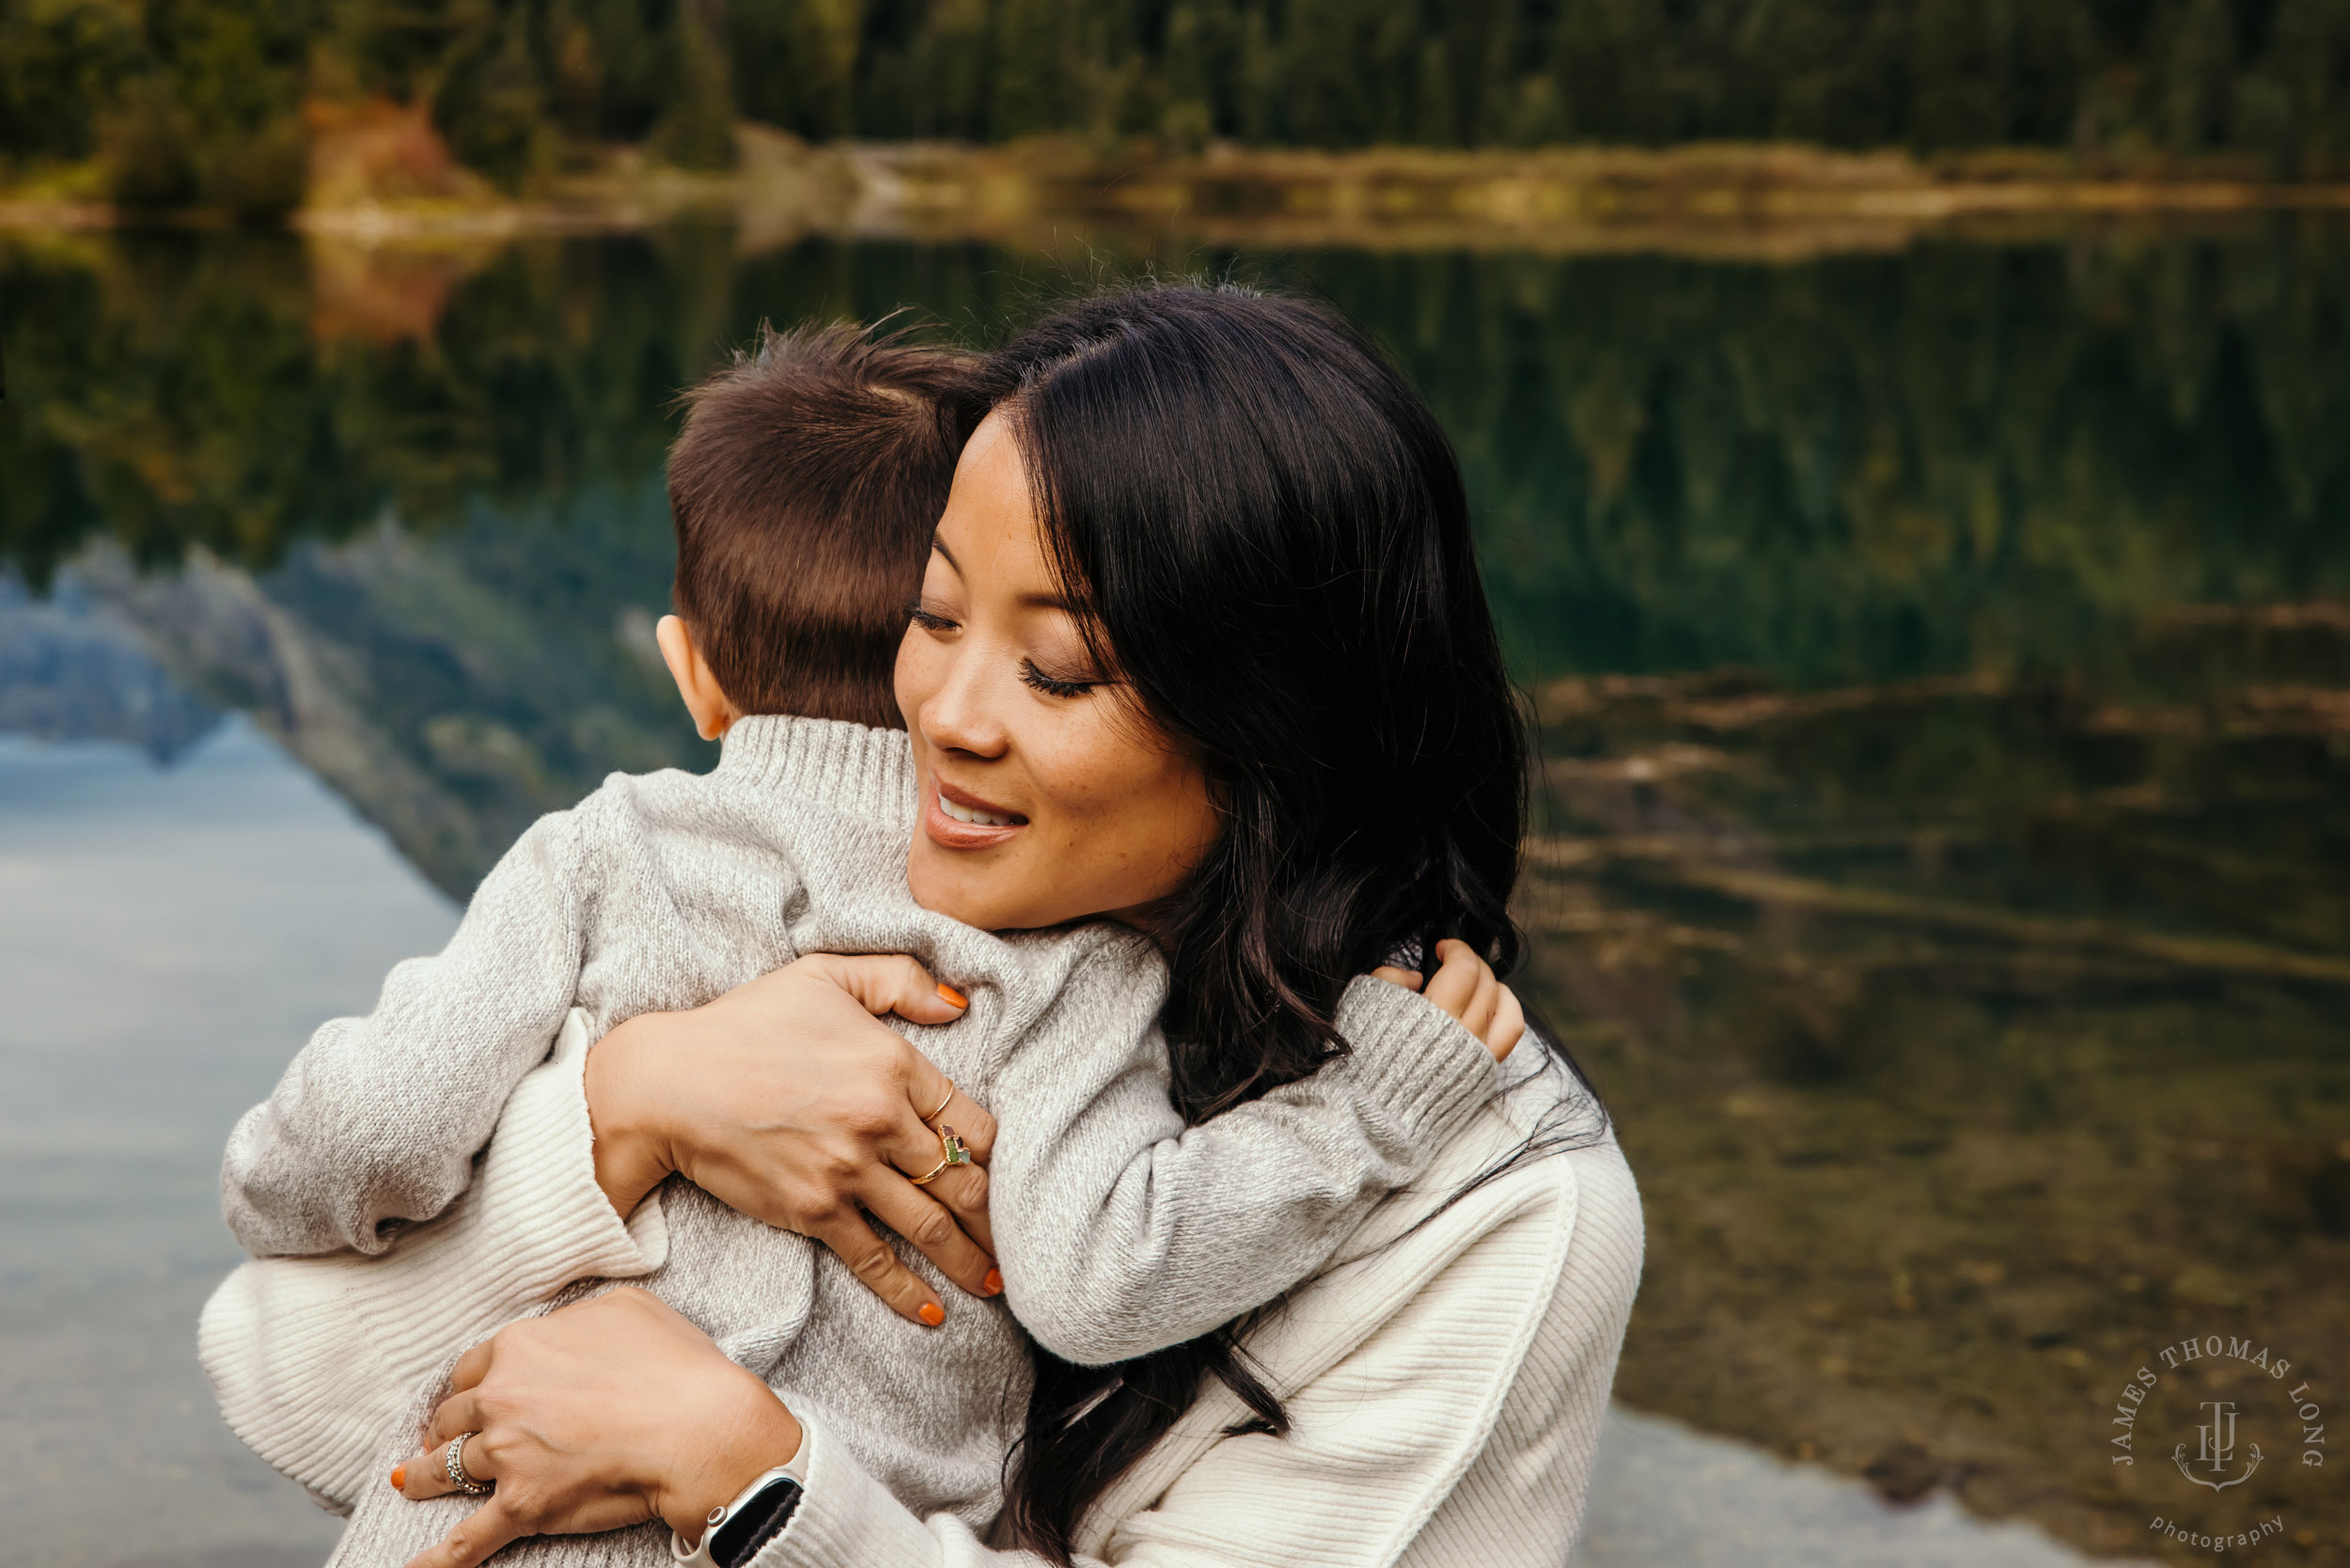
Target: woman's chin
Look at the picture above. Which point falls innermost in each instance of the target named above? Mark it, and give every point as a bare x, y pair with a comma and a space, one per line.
944, 882
992, 892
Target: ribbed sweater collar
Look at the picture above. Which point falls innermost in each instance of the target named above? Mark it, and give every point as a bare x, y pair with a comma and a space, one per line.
847, 766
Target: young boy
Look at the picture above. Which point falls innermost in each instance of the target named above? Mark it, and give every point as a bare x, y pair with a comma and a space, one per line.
805, 488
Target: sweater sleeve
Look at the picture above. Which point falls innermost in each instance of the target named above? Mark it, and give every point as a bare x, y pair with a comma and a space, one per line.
1119, 1230
315, 1359
378, 1120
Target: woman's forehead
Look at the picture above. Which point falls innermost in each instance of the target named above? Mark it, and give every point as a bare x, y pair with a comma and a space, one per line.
991, 488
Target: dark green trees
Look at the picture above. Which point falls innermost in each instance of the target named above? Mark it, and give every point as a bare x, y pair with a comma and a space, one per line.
198, 101
186, 102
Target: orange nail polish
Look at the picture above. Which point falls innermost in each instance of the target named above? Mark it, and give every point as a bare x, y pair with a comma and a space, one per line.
953, 997
400, 1477
933, 1313
994, 1281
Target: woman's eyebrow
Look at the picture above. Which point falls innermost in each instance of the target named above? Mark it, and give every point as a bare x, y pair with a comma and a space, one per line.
1045, 602
939, 546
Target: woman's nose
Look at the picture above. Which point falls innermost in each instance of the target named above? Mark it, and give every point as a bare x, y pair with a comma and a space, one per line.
961, 715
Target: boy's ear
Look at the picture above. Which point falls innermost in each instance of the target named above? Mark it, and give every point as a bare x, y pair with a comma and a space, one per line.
705, 699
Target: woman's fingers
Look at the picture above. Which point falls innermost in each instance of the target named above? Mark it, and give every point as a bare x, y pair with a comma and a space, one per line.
801, 1104
889, 983
955, 1198
1408, 978
920, 1146
882, 1272
599, 1413
473, 1366
484, 1531
937, 1231
460, 1412
932, 1098
973, 1125
964, 1190
427, 1474
936, 1107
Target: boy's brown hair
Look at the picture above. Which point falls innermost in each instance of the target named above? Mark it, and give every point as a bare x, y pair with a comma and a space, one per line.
804, 488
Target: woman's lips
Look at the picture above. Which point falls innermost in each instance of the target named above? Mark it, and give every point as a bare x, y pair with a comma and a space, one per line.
956, 819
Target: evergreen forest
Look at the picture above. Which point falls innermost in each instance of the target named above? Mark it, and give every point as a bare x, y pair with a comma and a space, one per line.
173, 102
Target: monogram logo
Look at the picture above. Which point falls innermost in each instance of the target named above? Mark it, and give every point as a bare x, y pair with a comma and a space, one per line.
2243, 1391
2217, 1449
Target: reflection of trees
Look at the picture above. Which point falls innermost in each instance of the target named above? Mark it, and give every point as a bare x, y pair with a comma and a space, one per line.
1960, 460
453, 509
172, 395
1857, 467
168, 391
1871, 466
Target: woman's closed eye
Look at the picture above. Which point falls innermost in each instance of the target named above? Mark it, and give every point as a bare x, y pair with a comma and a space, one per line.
1052, 685
928, 619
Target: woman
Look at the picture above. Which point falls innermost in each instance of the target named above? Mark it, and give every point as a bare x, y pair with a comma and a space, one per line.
1203, 642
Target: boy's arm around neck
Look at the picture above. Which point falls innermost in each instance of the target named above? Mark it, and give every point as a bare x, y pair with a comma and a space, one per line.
1120, 1232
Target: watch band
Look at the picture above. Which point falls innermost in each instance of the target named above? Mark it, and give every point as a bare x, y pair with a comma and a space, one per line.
734, 1534
759, 1521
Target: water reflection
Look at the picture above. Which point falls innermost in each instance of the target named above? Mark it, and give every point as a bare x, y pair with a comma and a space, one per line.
167, 937
1975, 1036
69, 672
1942, 662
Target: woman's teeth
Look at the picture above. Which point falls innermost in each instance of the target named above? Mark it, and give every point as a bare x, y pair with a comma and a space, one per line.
973, 814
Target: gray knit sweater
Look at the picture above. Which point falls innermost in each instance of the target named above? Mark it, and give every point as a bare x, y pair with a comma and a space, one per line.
1118, 1230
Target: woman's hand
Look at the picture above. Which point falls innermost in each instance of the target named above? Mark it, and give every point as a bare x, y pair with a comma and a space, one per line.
786, 1101
595, 1416
1467, 987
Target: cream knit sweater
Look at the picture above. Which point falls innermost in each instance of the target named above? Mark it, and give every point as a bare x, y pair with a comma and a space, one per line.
1118, 1230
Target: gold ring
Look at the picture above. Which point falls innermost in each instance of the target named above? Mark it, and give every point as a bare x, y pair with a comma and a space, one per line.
955, 1153
943, 1103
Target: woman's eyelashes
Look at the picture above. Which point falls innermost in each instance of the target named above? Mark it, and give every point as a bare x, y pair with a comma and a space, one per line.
938, 621
1052, 686
928, 619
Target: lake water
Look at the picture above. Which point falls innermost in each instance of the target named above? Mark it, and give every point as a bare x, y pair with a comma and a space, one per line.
1943, 666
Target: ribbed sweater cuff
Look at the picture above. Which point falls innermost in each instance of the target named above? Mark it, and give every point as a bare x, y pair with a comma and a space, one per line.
846, 1519
314, 1359
1413, 1060
851, 767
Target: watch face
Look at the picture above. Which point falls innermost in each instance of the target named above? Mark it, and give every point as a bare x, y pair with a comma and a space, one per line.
759, 1521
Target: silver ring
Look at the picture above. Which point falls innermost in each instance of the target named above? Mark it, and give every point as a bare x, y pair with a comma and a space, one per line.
453, 1461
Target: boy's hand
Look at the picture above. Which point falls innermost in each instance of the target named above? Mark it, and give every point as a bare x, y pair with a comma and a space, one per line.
1467, 987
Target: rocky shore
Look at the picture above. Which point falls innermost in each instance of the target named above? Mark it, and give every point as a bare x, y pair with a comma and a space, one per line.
384, 177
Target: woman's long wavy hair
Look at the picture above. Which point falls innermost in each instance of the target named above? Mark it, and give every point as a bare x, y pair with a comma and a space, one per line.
1268, 534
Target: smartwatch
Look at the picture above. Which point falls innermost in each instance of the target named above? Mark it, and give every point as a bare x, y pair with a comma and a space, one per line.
735, 1533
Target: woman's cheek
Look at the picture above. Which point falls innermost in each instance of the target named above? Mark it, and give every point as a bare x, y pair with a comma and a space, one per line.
915, 678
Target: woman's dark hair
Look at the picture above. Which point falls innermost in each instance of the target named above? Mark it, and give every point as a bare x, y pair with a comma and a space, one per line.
1267, 531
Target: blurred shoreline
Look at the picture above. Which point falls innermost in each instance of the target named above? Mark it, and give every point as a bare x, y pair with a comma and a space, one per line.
381, 179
